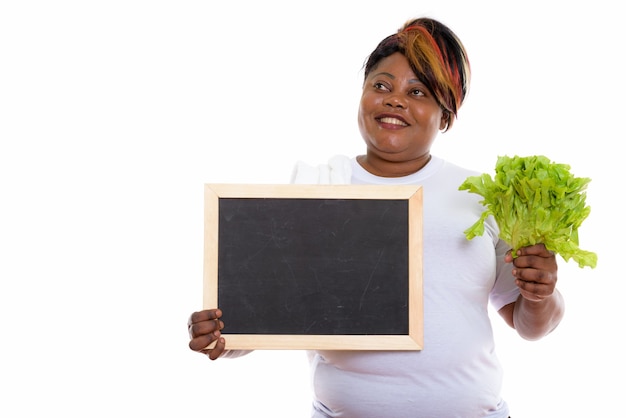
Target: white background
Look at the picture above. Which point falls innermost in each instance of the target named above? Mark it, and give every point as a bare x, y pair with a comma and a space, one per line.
113, 114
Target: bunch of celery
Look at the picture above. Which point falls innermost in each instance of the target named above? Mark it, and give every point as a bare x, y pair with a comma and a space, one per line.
534, 200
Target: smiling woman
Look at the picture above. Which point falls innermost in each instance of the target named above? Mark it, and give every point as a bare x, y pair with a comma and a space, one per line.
399, 119
436, 56
421, 76
415, 82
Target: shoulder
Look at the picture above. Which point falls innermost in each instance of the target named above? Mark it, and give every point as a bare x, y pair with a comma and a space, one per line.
457, 171
446, 174
337, 170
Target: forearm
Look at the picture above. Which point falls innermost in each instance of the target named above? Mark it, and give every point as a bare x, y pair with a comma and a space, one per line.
535, 320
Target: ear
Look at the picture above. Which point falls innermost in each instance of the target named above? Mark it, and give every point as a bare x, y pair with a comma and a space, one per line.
445, 120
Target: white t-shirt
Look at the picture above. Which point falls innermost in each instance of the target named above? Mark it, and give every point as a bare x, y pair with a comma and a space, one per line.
457, 373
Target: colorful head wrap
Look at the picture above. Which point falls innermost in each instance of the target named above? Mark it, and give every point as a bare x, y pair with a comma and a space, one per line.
436, 56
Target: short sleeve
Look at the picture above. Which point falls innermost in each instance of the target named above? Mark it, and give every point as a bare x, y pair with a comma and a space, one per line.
504, 290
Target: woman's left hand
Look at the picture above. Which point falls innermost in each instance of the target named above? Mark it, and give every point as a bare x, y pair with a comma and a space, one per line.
535, 271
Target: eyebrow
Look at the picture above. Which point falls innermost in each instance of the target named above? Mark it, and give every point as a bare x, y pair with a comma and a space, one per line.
393, 77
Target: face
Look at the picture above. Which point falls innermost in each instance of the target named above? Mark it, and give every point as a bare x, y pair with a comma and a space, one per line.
399, 118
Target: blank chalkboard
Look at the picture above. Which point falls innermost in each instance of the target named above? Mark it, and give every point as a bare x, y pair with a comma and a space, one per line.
315, 266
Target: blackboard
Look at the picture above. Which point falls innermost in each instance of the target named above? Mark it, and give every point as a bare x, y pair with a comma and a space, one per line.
315, 266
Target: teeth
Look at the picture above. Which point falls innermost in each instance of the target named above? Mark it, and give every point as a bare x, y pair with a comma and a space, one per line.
393, 121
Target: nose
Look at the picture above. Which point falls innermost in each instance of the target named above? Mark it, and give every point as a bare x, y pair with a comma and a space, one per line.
395, 100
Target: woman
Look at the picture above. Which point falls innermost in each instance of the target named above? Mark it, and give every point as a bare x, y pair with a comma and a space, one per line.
415, 83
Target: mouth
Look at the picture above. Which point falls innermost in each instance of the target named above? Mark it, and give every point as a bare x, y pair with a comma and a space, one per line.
392, 120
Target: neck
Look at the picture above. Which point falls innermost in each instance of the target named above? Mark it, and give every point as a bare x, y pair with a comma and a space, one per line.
388, 168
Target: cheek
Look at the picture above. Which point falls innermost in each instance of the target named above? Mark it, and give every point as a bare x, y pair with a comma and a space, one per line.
365, 115
430, 117
369, 102
361, 122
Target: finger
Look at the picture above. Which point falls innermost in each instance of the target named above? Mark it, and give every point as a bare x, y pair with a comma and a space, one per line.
533, 291
203, 341
533, 267
218, 349
529, 287
535, 284
535, 275
548, 263
537, 249
204, 328
508, 257
205, 315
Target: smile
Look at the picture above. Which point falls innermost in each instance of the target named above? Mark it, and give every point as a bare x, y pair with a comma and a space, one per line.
392, 121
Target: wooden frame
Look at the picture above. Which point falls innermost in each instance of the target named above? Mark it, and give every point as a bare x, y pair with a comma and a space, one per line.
412, 339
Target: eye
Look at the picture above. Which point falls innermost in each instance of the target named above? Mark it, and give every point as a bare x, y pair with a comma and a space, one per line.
378, 85
417, 93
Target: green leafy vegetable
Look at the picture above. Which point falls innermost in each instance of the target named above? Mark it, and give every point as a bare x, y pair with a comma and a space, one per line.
534, 200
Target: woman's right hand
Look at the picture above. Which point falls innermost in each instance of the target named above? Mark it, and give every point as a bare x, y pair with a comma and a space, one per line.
204, 330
